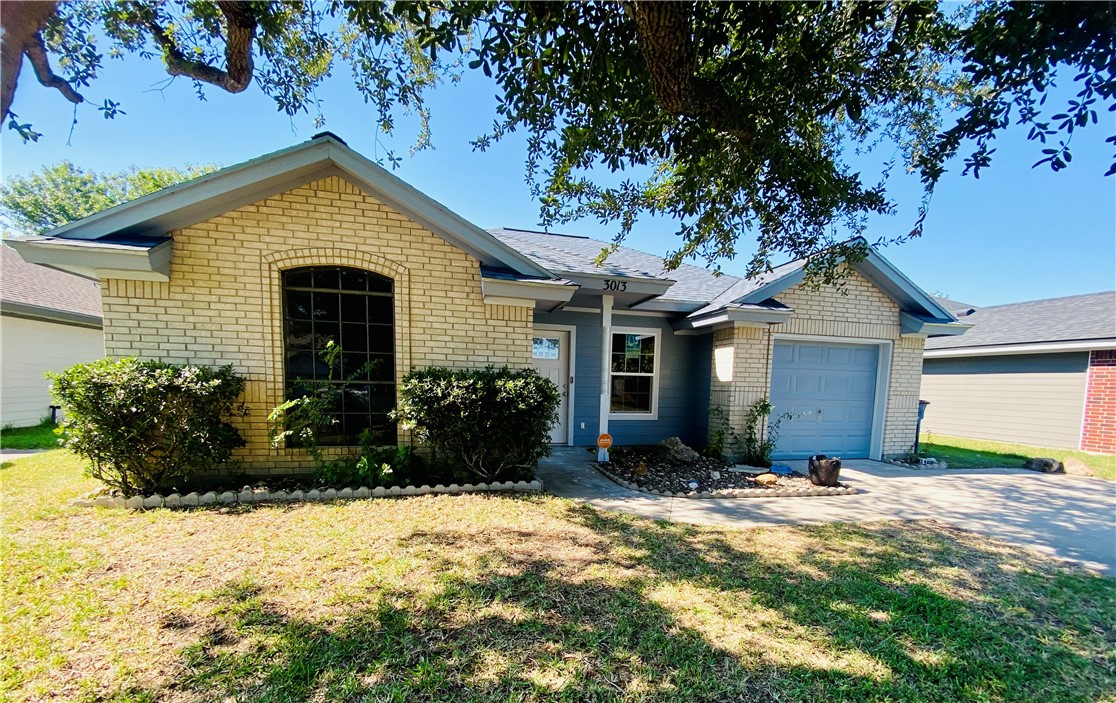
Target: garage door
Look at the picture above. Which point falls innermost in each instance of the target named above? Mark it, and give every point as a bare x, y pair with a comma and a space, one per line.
832, 389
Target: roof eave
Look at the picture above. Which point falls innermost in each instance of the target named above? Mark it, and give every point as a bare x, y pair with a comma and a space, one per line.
39, 313
1076, 345
915, 325
98, 261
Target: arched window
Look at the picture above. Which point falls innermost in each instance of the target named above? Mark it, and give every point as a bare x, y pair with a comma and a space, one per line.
353, 309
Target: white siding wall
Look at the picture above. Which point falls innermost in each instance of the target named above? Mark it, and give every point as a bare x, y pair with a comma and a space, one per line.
1036, 399
28, 349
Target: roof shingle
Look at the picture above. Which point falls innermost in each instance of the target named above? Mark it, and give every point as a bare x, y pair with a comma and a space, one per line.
1073, 318
42, 287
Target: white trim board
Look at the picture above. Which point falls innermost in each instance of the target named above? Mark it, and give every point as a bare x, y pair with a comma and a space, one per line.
1008, 349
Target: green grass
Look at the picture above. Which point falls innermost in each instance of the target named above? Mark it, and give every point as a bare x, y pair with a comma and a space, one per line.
963, 453
523, 598
41, 436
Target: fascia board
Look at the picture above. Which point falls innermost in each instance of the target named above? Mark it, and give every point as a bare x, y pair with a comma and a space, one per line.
98, 261
885, 276
1012, 349
527, 290
39, 313
913, 325
197, 200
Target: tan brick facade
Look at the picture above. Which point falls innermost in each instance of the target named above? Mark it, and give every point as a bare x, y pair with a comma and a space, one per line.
742, 355
222, 305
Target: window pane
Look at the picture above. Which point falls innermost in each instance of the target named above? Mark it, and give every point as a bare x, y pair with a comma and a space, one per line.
379, 309
300, 335
381, 367
545, 347
631, 394
326, 332
354, 279
325, 278
326, 306
299, 278
298, 305
379, 284
353, 308
354, 337
380, 339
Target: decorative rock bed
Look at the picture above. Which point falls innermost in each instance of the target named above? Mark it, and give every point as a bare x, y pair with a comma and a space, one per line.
249, 496
921, 464
751, 492
663, 470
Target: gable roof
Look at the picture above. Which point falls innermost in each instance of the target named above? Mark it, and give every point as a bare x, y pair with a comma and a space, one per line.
1089, 318
185, 204
37, 292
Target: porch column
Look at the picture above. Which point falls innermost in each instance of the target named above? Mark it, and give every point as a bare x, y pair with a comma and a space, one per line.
606, 348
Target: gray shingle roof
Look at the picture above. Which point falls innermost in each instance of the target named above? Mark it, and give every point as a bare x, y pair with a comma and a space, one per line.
42, 287
954, 306
570, 253
1074, 318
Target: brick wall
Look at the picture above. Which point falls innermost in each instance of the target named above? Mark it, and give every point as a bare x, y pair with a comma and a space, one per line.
1098, 432
223, 302
859, 312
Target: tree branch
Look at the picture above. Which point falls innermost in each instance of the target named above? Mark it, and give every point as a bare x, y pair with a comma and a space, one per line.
21, 24
35, 51
240, 22
665, 35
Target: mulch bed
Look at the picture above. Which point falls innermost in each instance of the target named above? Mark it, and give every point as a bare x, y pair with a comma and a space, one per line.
650, 470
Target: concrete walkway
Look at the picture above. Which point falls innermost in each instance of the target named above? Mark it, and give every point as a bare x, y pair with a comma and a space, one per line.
1070, 517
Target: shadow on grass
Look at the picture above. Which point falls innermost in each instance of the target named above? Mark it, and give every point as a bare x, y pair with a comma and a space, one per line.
617, 608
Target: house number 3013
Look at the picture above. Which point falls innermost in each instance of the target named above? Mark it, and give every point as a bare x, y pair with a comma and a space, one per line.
616, 285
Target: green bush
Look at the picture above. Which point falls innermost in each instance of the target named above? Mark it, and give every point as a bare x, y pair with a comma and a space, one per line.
493, 423
144, 423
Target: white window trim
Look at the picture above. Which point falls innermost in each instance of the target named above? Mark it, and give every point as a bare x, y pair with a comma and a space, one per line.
647, 331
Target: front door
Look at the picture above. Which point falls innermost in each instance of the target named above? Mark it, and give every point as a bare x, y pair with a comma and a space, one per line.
550, 353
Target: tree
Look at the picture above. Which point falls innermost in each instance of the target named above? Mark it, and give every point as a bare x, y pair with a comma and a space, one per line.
63, 193
728, 117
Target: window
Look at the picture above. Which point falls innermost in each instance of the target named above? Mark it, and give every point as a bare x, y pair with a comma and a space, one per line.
633, 373
354, 310
545, 347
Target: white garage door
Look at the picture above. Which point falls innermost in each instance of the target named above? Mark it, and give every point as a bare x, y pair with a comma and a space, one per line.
832, 389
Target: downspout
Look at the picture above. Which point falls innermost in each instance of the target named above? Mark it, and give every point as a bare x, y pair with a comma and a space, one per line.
767, 375
606, 347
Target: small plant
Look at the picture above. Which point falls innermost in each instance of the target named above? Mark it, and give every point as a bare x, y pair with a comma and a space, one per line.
913, 456
144, 423
755, 446
492, 423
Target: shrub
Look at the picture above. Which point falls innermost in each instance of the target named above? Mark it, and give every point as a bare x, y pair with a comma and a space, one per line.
144, 423
493, 423
755, 449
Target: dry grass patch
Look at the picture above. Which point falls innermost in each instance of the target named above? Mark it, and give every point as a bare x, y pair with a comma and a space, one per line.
493, 598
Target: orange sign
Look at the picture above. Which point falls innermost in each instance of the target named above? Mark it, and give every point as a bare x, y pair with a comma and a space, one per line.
604, 441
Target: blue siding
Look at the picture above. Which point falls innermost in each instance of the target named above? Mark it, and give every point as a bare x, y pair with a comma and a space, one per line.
684, 369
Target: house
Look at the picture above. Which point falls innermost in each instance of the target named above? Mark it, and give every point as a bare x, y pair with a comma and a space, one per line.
49, 321
1041, 372
260, 264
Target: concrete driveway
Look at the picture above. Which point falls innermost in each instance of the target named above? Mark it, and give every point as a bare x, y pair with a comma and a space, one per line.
1069, 517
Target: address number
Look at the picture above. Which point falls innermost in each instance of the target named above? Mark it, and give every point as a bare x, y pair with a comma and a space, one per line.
616, 285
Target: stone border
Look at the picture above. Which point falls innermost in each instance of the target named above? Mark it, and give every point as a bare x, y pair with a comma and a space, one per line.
899, 462
255, 495
735, 492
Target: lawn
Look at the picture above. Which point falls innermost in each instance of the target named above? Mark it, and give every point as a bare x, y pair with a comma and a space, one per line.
40, 436
963, 453
523, 598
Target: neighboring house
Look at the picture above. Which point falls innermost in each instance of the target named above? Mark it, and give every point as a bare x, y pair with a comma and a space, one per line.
260, 264
1041, 372
49, 320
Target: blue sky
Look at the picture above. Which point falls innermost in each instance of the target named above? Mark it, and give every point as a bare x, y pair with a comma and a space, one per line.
1015, 234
